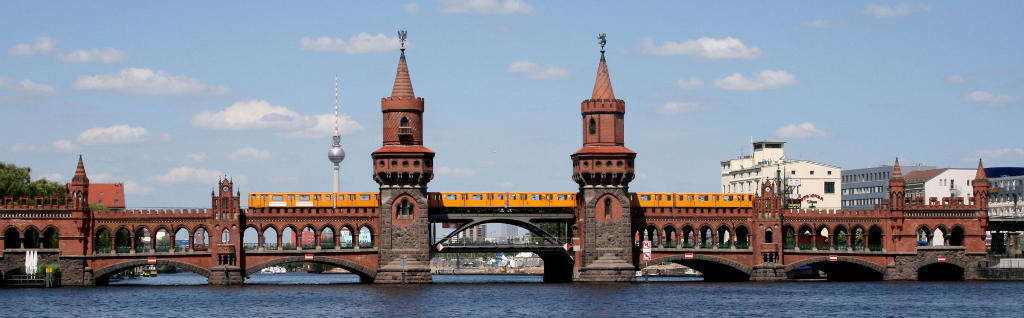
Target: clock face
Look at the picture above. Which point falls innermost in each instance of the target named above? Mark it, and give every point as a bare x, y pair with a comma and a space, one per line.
225, 189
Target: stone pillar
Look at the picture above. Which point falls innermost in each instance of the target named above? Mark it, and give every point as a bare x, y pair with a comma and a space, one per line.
1013, 244
225, 275
403, 237
607, 243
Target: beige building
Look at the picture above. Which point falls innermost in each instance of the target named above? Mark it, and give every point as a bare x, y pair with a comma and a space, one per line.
809, 184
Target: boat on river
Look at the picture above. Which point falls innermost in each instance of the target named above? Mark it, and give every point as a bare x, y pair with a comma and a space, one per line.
273, 270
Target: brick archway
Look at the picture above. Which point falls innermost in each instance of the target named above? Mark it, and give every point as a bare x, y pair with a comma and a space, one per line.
841, 259
713, 268
533, 228
104, 272
365, 273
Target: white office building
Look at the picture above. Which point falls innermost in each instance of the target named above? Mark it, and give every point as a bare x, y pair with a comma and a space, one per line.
808, 184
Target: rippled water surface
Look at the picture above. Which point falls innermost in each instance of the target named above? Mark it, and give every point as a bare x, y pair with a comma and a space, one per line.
332, 295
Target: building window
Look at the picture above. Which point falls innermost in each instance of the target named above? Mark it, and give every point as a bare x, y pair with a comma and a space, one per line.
812, 172
830, 187
593, 126
608, 208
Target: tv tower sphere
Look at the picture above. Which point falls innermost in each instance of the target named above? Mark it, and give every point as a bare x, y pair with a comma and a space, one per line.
336, 154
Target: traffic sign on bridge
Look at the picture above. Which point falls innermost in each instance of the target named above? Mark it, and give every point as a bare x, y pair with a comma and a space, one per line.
151, 260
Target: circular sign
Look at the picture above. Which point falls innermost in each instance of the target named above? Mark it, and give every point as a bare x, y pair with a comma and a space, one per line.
567, 246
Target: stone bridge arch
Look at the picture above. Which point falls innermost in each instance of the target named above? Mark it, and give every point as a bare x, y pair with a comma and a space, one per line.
102, 275
843, 268
713, 268
366, 274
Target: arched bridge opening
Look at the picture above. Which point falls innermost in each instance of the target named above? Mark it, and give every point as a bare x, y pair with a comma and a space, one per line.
547, 240
940, 272
840, 268
102, 276
365, 274
712, 268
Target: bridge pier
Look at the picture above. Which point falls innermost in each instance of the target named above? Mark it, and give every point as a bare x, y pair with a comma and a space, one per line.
226, 275
768, 272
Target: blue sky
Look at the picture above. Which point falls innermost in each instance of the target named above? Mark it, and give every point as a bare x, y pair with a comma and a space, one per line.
168, 97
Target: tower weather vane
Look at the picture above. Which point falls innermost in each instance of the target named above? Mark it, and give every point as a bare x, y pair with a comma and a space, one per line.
603, 40
402, 35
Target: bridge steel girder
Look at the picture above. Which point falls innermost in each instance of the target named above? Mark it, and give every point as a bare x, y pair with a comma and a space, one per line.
528, 221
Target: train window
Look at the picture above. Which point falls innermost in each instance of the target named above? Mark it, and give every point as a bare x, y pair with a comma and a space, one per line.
501, 197
549, 197
277, 197
690, 197
702, 198
535, 197
512, 197
303, 197
451, 197
465, 196
714, 197
657, 197
645, 197
263, 197
351, 197
364, 197
727, 198
490, 197
681, 198
291, 197
327, 197
563, 197
478, 197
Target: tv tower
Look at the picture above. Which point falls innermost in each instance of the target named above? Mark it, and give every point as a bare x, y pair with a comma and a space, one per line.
336, 154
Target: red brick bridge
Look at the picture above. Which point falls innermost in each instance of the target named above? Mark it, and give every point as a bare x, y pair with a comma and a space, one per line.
761, 242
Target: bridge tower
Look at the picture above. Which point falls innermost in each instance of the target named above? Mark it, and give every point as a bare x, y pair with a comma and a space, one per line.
403, 167
226, 235
603, 168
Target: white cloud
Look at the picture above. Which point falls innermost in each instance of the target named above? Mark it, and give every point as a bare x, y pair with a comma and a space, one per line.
186, 174
195, 157
766, 79
116, 135
144, 81
486, 7
134, 188
894, 11
64, 145
322, 126
533, 71
956, 79
411, 8
506, 184
1011, 153
689, 83
989, 99
33, 88
674, 108
260, 114
106, 56
708, 48
803, 130
102, 177
357, 44
249, 154
61, 145
455, 172
42, 45
640, 176
53, 177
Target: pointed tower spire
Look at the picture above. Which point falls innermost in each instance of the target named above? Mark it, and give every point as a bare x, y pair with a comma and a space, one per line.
603, 84
981, 172
896, 172
403, 85
80, 176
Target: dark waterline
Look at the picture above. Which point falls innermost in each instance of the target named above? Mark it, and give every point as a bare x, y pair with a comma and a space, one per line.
512, 296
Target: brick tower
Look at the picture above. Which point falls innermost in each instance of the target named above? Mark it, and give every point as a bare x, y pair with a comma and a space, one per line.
603, 168
403, 167
226, 247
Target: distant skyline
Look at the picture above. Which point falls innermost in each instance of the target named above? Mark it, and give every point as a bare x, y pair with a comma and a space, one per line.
168, 98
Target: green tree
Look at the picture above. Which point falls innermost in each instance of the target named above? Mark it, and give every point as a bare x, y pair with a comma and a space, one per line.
103, 239
858, 238
16, 182
790, 238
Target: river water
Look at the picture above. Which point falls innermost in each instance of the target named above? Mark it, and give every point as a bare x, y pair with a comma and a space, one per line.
331, 295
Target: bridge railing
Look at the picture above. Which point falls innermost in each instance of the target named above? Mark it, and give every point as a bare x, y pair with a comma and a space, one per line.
533, 241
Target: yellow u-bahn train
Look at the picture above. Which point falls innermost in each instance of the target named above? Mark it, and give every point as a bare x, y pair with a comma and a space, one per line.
691, 200
498, 199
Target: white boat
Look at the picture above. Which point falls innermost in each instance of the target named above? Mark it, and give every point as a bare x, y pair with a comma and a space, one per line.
273, 270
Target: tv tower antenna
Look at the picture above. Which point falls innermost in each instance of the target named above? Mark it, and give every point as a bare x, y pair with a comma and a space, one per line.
336, 154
